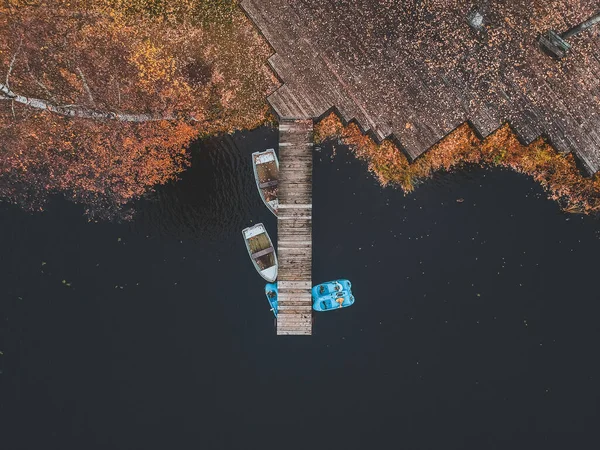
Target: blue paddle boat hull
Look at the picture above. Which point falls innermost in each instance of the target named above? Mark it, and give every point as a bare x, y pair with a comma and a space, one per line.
271, 293
332, 295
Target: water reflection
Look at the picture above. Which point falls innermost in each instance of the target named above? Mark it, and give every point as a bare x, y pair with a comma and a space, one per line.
216, 196
470, 317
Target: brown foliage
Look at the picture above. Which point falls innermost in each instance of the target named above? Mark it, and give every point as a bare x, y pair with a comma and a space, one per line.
198, 63
556, 172
96, 163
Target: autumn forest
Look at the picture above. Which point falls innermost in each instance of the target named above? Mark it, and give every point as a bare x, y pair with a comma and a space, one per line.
100, 100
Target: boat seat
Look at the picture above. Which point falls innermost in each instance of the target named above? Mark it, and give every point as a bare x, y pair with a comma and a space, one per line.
264, 252
268, 184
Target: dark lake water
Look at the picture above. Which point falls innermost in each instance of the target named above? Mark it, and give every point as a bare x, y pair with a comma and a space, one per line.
475, 324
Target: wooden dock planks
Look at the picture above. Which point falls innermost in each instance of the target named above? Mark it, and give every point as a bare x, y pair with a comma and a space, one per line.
294, 228
416, 70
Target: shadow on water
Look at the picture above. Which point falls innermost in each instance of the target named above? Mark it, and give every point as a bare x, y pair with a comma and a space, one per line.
475, 324
214, 197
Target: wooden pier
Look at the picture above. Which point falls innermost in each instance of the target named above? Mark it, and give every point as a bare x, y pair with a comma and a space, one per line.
294, 227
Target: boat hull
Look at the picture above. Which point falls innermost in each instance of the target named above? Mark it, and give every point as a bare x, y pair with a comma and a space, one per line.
272, 294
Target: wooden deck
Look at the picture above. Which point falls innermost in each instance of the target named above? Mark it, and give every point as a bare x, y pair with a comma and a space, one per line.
416, 70
294, 227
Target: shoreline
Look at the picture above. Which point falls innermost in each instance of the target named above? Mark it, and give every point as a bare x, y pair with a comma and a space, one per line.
557, 173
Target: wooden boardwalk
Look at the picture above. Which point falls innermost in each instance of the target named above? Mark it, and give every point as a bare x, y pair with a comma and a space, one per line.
294, 227
416, 70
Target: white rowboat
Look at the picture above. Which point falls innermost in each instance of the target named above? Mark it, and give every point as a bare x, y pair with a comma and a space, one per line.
261, 251
266, 174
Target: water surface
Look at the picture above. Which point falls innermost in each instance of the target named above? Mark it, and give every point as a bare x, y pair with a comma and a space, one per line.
475, 323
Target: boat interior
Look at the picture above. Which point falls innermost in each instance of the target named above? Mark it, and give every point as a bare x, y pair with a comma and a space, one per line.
262, 251
268, 174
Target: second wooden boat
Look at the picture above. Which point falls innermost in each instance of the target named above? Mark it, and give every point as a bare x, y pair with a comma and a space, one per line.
266, 173
261, 251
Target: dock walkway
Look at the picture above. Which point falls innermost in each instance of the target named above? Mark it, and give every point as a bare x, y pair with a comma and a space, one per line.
294, 227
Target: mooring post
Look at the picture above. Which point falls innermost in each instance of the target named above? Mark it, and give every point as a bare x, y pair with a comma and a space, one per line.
556, 45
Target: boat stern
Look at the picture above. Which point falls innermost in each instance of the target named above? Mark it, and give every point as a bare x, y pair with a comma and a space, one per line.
254, 230
270, 273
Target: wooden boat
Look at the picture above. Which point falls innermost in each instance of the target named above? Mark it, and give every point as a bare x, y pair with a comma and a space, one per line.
266, 174
261, 251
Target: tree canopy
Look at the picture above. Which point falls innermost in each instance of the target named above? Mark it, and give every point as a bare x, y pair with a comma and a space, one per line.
99, 99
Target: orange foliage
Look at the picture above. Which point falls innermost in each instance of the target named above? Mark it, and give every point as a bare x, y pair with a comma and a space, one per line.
140, 58
98, 164
557, 173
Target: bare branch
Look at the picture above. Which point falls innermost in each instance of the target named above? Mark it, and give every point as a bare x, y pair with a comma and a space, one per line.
85, 113
12, 62
38, 82
86, 87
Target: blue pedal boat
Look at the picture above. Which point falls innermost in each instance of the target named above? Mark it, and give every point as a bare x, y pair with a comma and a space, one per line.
332, 295
271, 293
